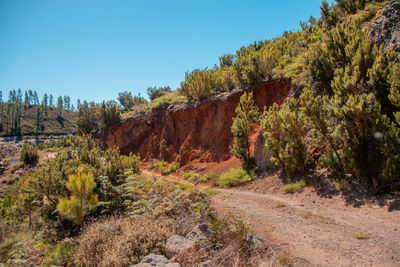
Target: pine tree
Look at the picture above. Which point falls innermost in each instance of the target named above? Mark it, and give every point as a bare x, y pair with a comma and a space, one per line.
26, 102
30, 96
39, 121
44, 105
51, 104
246, 114
35, 98
81, 200
60, 106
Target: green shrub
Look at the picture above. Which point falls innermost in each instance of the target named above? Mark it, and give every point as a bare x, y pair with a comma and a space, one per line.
191, 176
110, 113
294, 187
166, 100
284, 131
279, 204
246, 114
200, 84
212, 176
361, 235
29, 154
235, 177
166, 168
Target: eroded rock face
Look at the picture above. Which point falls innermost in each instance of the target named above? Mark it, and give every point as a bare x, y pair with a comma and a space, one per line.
386, 28
188, 132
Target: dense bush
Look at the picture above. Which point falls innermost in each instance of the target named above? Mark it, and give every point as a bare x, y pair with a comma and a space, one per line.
87, 121
285, 130
110, 113
246, 115
235, 177
156, 92
200, 84
29, 154
167, 168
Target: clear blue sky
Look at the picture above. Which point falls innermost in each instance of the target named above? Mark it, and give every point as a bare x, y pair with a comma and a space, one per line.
93, 49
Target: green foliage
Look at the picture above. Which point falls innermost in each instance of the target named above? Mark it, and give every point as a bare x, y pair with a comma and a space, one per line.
167, 168
110, 113
361, 235
199, 84
294, 187
246, 114
156, 92
235, 177
81, 200
128, 102
212, 176
284, 131
279, 204
87, 121
29, 154
191, 176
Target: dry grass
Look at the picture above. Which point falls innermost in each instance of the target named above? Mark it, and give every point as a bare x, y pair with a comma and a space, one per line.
361, 235
279, 204
308, 215
122, 241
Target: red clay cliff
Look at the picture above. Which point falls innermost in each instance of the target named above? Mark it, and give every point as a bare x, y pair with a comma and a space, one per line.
190, 131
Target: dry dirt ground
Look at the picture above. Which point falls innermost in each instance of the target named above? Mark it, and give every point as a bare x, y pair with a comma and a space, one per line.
318, 231
313, 230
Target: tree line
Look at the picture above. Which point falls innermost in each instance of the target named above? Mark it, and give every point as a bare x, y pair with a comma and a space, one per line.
11, 109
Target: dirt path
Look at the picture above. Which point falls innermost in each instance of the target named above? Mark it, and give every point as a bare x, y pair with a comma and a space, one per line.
318, 232
315, 231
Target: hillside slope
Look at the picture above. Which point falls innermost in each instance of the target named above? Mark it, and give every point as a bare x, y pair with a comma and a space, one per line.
52, 125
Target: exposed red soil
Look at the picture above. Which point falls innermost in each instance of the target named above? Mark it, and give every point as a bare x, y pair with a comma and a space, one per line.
190, 132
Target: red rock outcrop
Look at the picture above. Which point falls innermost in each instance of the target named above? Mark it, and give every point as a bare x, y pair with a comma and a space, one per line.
190, 131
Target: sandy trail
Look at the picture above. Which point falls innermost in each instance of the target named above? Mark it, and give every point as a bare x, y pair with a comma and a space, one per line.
319, 233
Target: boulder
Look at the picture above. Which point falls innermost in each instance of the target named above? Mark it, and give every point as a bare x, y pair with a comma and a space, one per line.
386, 27
177, 244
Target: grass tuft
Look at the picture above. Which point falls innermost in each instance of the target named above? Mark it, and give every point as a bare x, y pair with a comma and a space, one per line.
235, 177
361, 235
280, 204
294, 187
191, 176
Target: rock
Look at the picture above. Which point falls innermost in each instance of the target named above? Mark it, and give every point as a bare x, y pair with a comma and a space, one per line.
204, 264
177, 244
187, 132
254, 241
198, 233
262, 155
154, 260
386, 28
